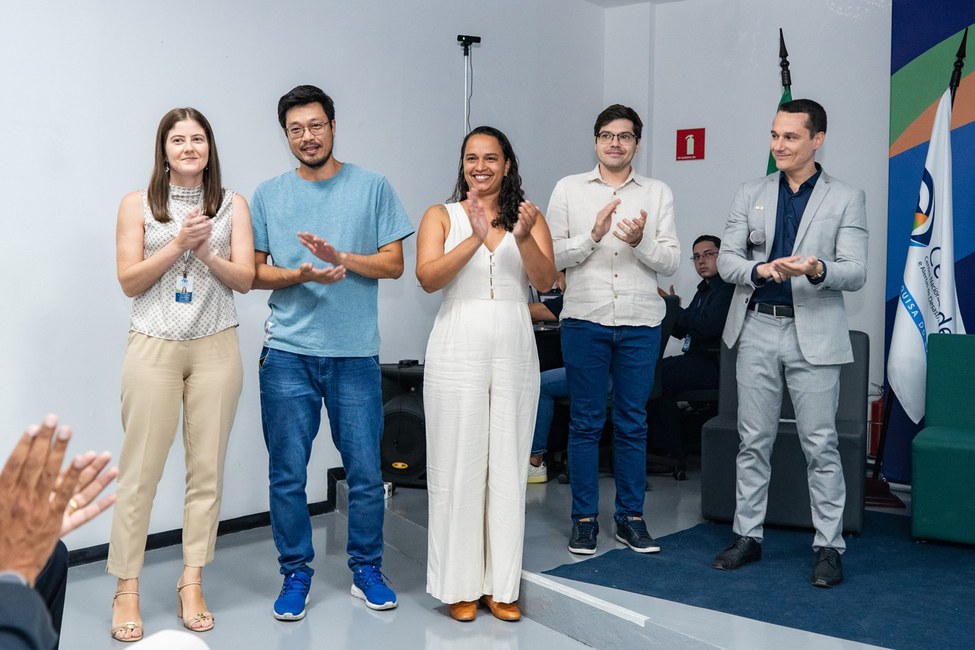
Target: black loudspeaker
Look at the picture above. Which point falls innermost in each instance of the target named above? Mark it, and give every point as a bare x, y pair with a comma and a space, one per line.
403, 451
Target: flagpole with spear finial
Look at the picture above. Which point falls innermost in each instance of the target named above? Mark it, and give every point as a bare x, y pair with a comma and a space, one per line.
784, 62
959, 64
786, 89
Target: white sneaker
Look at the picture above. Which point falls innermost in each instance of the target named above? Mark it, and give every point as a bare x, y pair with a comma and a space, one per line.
538, 474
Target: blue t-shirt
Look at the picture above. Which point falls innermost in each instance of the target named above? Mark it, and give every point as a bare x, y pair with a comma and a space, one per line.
357, 212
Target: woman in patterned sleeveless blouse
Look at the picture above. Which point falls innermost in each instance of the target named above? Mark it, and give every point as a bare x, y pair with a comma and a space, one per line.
183, 246
480, 387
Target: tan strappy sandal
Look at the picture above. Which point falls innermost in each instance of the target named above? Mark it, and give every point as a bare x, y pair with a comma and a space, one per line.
130, 626
204, 619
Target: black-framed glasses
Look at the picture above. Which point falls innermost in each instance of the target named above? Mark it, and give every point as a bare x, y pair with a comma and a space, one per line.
296, 131
606, 137
706, 255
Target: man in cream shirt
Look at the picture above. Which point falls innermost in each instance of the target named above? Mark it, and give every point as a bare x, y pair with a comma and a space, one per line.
614, 231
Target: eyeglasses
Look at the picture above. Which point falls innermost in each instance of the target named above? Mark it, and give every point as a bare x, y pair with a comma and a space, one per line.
296, 131
605, 137
706, 255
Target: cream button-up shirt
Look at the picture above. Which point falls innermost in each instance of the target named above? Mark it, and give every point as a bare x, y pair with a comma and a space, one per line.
610, 282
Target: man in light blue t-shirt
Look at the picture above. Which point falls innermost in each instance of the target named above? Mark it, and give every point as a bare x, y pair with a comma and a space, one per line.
321, 340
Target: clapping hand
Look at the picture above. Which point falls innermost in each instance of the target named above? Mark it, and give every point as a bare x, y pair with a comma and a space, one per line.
194, 232
785, 268
478, 219
325, 252
665, 294
795, 266
604, 219
320, 248
631, 230
528, 213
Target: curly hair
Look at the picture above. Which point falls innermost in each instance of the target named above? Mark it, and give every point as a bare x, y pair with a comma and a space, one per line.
511, 193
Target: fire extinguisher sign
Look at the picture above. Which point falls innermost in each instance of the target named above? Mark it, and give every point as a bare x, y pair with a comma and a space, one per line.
690, 144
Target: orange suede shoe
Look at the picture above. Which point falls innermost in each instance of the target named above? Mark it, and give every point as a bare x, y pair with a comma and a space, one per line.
464, 611
503, 611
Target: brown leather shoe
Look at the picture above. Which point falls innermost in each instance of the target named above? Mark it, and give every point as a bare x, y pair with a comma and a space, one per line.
503, 611
464, 611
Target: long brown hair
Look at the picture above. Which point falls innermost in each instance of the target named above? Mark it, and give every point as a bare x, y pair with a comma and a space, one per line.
158, 192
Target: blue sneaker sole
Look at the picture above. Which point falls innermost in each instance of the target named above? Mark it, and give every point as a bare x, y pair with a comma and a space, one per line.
358, 593
288, 616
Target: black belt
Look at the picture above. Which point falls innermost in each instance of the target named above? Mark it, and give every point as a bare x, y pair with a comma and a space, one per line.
785, 311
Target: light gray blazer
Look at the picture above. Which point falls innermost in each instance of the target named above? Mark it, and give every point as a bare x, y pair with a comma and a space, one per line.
833, 228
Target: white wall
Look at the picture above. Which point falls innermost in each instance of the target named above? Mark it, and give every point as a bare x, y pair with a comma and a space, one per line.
84, 85
716, 66
628, 70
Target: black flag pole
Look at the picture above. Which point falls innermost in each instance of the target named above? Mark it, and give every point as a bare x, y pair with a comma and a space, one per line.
959, 64
784, 62
889, 397
771, 167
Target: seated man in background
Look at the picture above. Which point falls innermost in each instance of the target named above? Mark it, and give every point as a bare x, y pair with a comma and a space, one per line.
700, 325
549, 305
546, 310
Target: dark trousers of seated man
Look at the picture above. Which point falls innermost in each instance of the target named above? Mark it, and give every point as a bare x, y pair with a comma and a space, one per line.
678, 374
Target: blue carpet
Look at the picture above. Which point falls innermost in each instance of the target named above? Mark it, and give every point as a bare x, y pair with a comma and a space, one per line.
897, 593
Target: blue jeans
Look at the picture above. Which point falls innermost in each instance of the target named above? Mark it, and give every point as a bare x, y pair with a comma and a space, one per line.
292, 389
553, 387
593, 354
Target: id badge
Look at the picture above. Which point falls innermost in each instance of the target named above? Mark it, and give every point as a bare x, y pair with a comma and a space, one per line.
687, 344
184, 289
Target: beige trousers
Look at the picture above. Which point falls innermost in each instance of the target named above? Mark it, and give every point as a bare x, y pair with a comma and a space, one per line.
205, 377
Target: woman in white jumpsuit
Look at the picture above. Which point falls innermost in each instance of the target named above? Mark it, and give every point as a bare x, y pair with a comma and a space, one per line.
481, 379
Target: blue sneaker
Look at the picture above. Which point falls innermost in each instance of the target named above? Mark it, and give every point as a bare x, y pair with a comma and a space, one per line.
290, 605
369, 584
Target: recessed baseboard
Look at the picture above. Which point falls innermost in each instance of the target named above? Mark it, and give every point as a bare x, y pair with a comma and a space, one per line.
166, 538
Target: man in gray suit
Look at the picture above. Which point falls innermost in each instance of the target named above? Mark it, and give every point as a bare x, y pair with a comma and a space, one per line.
789, 321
